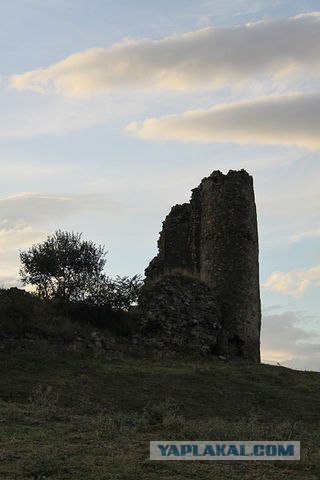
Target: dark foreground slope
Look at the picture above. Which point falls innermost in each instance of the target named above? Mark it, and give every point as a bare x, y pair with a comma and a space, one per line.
69, 414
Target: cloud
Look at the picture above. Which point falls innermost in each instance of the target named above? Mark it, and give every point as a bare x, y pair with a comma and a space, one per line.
30, 115
294, 283
25, 219
17, 235
37, 208
284, 120
203, 22
209, 57
286, 340
297, 237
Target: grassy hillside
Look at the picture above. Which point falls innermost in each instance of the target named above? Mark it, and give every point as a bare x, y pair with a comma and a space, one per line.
69, 413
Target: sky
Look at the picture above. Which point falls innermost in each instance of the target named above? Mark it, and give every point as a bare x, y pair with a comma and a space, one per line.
111, 112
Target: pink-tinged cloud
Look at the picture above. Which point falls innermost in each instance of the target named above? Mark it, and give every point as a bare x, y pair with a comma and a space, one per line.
279, 120
209, 57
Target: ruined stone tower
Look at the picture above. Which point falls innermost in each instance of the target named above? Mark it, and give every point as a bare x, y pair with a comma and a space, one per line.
211, 242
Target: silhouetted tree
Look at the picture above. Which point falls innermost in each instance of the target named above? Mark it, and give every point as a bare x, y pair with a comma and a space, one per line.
123, 292
64, 266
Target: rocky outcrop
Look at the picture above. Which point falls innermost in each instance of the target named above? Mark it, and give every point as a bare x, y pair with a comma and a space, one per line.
212, 240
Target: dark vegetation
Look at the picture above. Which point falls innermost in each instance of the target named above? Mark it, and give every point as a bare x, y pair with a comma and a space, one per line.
66, 268
69, 414
22, 313
70, 291
77, 403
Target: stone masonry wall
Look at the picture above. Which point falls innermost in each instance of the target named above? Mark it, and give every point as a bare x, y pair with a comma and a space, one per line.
214, 239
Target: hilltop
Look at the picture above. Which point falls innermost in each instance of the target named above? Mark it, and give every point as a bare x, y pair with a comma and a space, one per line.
71, 410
